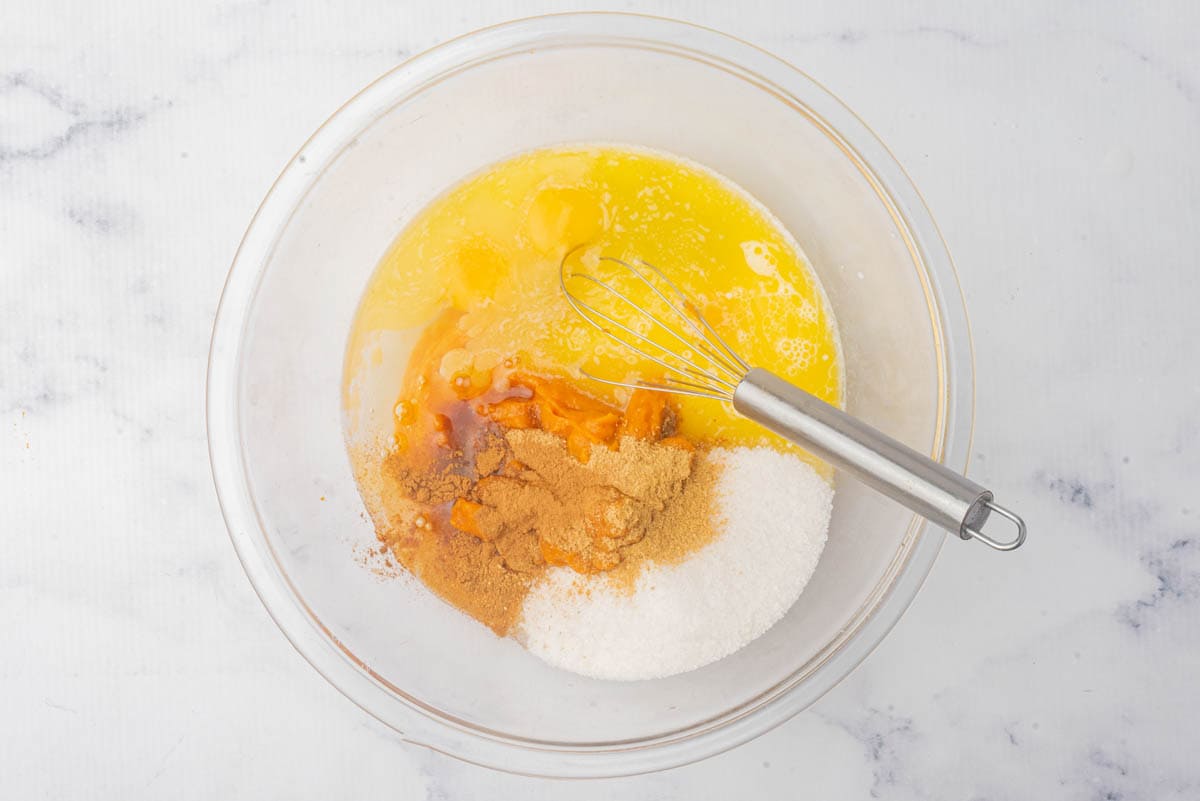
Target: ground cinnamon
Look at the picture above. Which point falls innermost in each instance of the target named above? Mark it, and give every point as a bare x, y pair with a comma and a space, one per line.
496, 489
601, 507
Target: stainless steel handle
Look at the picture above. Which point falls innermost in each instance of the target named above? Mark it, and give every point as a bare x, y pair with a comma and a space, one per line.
932, 490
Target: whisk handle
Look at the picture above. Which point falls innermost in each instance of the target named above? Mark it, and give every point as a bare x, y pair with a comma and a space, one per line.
930, 489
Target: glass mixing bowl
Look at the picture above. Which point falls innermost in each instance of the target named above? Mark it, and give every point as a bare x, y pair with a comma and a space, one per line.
275, 418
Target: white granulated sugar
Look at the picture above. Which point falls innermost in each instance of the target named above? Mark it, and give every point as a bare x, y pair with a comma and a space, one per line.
773, 509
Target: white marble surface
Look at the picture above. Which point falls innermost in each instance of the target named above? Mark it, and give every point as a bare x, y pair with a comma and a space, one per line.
1058, 146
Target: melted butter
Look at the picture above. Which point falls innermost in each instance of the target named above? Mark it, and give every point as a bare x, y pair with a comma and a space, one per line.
490, 249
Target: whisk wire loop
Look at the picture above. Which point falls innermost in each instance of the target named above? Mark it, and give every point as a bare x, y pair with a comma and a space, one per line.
706, 367
686, 368
711, 337
718, 359
671, 385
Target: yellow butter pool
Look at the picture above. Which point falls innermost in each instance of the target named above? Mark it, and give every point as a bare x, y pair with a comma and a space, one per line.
491, 248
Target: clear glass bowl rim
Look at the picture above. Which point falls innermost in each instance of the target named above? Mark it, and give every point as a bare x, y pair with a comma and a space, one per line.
420, 724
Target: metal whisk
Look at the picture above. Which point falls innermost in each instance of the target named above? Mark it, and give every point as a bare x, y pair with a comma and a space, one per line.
697, 361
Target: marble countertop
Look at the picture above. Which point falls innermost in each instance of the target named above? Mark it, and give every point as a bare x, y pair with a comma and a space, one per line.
1058, 145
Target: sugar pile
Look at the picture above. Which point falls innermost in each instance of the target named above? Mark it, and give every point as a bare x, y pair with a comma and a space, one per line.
773, 511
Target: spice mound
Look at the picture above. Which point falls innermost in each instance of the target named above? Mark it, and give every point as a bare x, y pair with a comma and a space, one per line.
500, 481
